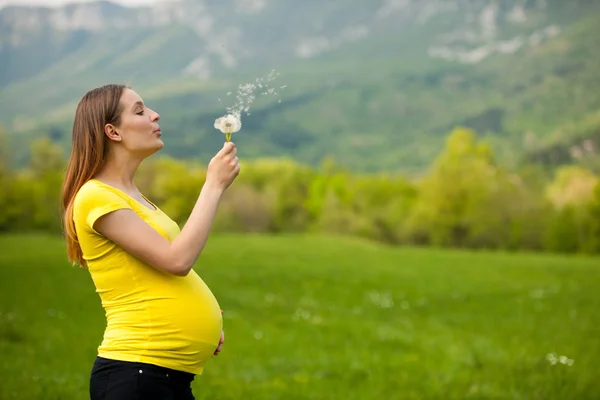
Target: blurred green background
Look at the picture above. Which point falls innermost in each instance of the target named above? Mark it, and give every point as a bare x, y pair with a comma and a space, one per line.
418, 213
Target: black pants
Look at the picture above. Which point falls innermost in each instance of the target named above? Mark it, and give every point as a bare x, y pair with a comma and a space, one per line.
123, 380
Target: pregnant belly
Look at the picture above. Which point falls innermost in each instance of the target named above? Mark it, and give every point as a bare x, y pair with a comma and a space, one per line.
195, 312
178, 326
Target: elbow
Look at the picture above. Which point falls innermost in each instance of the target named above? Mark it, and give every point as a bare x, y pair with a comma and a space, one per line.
181, 269
177, 263
180, 273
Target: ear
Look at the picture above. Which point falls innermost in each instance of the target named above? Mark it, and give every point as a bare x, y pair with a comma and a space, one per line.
112, 133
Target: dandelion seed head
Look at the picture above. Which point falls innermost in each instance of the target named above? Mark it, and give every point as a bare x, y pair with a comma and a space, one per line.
554, 359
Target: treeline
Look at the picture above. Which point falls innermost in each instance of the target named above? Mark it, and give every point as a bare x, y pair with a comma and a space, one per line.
464, 200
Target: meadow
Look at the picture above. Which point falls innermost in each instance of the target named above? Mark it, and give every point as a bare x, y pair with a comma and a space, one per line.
324, 317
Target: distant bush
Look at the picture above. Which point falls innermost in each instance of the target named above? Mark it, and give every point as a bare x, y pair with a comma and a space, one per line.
463, 200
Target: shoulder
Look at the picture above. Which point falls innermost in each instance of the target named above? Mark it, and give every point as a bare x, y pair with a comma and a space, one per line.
94, 192
95, 199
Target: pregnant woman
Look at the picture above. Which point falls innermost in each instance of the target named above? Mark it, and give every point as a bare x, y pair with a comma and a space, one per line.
163, 322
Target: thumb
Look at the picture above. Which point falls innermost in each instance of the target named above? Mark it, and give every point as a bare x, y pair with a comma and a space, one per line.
227, 148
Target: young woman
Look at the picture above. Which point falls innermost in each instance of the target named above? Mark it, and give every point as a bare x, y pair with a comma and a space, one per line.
163, 322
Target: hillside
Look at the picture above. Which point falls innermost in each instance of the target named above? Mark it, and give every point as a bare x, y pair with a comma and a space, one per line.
377, 84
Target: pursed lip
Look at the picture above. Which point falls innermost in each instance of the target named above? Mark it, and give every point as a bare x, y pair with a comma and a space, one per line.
158, 132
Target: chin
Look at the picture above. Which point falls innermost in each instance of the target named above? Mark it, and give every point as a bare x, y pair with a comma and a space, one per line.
154, 149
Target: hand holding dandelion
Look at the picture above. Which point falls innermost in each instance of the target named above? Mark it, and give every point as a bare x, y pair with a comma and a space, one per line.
228, 124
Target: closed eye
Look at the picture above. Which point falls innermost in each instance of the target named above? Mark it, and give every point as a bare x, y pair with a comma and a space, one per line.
138, 105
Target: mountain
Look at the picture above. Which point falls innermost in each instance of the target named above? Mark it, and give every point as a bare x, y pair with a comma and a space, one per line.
375, 83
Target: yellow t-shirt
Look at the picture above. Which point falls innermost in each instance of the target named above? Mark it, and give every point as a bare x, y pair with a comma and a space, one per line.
152, 316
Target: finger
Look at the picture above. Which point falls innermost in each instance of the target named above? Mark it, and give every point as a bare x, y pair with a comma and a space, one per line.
233, 151
224, 151
230, 160
228, 148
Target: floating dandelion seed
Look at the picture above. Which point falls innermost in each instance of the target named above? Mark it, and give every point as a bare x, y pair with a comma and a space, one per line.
246, 93
245, 97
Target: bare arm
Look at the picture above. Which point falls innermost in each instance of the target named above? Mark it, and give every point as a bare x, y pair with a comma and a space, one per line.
128, 230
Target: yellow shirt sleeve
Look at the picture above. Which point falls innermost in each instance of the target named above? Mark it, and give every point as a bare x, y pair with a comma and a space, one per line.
94, 201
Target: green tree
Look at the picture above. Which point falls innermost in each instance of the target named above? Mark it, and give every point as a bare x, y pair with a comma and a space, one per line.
592, 224
46, 174
384, 203
464, 200
5, 183
329, 201
563, 234
285, 185
572, 186
572, 196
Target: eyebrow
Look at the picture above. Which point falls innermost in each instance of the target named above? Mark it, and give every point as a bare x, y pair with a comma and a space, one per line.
137, 103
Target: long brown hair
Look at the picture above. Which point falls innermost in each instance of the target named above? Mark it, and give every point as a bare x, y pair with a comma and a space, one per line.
98, 107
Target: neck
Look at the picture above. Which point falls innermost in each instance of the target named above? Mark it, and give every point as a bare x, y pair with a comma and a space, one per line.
119, 170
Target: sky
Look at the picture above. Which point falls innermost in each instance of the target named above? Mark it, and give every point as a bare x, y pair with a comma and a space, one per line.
54, 3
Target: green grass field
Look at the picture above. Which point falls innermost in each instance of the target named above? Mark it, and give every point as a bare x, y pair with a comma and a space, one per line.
329, 318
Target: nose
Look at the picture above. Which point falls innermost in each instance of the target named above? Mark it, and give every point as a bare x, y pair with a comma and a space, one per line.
155, 116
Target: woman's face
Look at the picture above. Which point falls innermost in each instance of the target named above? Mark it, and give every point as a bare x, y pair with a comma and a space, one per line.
138, 131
